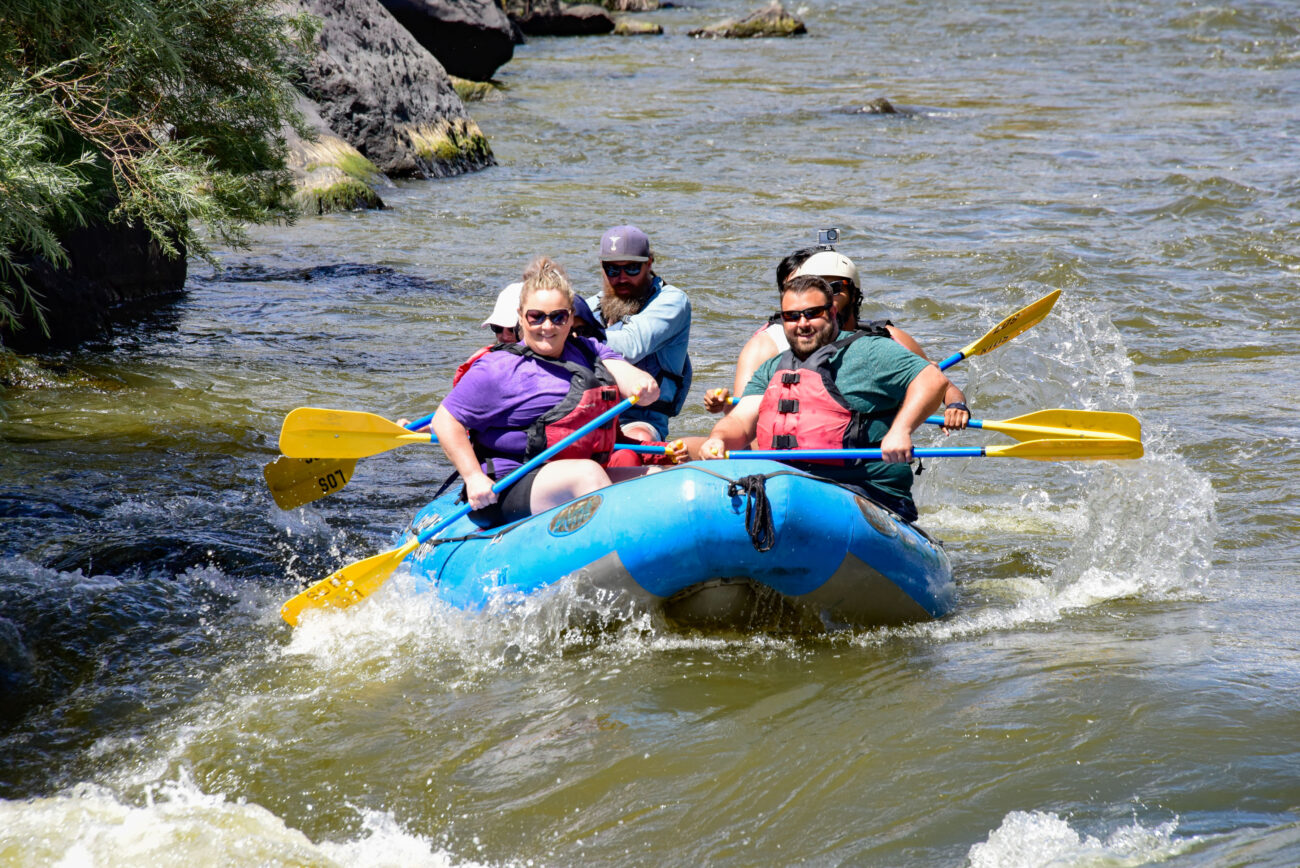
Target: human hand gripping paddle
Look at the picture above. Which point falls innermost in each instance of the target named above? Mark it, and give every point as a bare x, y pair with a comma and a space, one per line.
1018, 323
298, 481
355, 582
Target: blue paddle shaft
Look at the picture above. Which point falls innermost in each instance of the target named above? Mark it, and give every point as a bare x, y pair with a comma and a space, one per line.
951, 360
820, 454
649, 449
420, 423
938, 420
528, 466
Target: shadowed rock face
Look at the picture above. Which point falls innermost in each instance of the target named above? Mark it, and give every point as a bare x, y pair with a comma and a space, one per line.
387, 96
771, 20
470, 38
114, 271
552, 18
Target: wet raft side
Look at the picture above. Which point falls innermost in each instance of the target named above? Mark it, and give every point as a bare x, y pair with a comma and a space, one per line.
687, 543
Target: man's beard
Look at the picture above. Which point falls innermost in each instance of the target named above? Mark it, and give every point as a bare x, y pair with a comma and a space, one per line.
820, 338
613, 308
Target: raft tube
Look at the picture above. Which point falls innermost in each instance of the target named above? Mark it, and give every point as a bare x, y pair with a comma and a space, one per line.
735, 544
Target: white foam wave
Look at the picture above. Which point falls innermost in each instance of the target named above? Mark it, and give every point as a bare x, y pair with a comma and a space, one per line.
176, 824
398, 628
1036, 839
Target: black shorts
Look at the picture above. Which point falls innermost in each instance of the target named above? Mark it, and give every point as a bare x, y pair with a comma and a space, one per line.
512, 504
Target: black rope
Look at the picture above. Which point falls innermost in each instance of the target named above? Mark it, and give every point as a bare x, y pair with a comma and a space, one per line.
758, 510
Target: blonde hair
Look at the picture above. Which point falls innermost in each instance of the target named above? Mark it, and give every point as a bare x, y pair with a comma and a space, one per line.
544, 273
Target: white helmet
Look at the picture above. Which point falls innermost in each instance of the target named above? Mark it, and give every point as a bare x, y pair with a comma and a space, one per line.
828, 263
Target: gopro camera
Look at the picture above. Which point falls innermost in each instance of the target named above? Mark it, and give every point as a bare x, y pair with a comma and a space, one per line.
827, 237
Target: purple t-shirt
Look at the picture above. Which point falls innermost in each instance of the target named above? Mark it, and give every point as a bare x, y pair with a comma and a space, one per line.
502, 394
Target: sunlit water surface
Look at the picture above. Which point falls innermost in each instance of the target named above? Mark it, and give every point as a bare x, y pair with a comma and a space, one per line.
1118, 685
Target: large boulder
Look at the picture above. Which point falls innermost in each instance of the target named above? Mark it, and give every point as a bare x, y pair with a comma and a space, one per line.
470, 38
329, 173
553, 18
771, 20
387, 96
114, 271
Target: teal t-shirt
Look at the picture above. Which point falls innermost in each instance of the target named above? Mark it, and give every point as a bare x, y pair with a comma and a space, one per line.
873, 374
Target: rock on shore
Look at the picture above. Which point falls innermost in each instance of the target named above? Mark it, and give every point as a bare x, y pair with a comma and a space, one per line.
331, 175
387, 96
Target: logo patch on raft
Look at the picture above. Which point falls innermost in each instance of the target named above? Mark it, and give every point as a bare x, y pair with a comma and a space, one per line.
876, 517
575, 515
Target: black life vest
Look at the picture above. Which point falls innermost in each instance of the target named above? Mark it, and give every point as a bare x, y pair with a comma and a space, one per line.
591, 392
802, 408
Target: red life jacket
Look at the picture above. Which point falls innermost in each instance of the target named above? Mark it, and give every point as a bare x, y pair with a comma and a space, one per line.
803, 409
468, 363
591, 392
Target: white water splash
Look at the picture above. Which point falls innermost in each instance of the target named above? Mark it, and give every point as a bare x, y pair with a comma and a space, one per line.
1037, 840
176, 824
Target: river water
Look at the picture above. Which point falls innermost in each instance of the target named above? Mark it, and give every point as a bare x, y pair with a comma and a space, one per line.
1118, 685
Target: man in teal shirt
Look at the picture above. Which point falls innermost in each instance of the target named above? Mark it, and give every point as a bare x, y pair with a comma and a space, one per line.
836, 389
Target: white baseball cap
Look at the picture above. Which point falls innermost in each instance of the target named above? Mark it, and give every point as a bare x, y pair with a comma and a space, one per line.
828, 263
506, 311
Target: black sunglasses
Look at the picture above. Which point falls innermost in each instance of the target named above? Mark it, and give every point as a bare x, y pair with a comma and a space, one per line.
497, 330
841, 286
631, 269
808, 313
537, 317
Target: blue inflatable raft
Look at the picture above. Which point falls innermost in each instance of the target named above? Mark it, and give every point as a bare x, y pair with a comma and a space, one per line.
736, 544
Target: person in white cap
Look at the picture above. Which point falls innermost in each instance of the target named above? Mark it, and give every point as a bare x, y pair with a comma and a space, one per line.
840, 272
648, 321
504, 319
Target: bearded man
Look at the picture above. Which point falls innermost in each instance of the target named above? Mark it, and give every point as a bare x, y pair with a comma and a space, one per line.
836, 389
648, 322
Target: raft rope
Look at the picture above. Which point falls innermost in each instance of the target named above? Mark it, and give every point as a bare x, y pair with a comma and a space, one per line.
758, 510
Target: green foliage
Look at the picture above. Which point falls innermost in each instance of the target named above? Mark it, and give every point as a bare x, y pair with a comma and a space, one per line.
165, 113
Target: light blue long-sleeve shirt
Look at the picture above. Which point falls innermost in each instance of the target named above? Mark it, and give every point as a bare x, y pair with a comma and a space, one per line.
655, 340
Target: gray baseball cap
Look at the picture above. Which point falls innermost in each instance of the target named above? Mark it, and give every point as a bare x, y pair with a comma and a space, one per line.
624, 244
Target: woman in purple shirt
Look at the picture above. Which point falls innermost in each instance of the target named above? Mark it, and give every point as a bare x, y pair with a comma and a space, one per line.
483, 423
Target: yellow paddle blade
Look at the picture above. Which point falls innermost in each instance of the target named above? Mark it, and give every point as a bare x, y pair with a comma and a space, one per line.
296, 482
1112, 449
348, 586
309, 432
1020, 321
1065, 424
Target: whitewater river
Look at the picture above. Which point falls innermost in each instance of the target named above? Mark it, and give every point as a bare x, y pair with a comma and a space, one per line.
1120, 682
